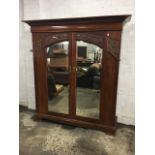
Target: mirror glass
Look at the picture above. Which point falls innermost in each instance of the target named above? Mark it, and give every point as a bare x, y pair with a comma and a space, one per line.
58, 77
88, 78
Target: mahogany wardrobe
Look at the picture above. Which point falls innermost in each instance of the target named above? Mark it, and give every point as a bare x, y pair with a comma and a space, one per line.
76, 62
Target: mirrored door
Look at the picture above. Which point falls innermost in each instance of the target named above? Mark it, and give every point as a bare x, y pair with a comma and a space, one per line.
58, 77
89, 54
77, 62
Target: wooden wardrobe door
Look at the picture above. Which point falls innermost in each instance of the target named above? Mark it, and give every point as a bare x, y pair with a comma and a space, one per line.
53, 63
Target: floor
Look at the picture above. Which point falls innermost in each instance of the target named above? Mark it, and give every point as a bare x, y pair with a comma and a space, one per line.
87, 102
48, 138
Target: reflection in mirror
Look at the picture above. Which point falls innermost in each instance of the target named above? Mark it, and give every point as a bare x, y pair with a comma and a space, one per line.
89, 57
58, 77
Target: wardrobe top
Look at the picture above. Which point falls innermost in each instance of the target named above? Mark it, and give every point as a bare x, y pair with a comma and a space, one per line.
94, 19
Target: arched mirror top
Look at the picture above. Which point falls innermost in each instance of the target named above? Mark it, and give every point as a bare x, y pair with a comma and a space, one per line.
55, 38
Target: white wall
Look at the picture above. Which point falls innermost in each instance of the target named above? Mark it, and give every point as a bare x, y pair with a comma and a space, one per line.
22, 67
48, 9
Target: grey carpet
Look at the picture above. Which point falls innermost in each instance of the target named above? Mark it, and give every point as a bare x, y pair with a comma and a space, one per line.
48, 138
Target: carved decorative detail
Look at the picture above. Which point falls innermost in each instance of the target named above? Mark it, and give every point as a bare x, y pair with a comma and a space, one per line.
93, 37
38, 41
113, 46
